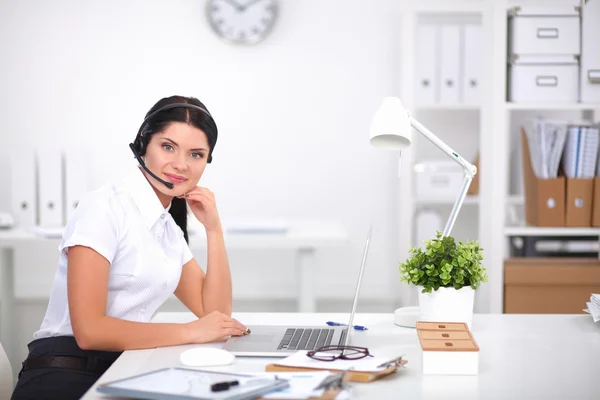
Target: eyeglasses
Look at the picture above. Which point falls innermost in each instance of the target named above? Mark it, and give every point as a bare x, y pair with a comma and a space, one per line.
330, 353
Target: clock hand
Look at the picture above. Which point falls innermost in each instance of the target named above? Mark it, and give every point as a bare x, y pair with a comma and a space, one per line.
249, 4
235, 5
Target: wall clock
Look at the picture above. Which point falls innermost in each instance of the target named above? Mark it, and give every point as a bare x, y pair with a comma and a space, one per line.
244, 22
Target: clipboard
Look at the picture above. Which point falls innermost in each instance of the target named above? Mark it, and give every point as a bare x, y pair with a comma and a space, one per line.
389, 367
190, 384
327, 395
352, 376
332, 385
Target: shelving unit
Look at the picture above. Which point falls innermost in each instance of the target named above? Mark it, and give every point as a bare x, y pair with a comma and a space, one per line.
551, 106
408, 205
507, 117
436, 107
469, 200
545, 231
496, 136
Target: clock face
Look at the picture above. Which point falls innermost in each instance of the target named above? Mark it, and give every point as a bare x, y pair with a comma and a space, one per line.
242, 21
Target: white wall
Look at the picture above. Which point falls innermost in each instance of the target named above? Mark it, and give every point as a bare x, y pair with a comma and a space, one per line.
293, 113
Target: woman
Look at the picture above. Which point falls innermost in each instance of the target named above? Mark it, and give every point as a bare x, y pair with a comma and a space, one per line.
125, 251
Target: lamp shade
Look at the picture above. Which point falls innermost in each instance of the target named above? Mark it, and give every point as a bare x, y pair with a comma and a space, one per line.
390, 128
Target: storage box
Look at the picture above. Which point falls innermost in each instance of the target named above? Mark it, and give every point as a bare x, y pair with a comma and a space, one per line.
474, 187
549, 79
578, 205
549, 285
544, 198
544, 30
596, 203
558, 201
441, 326
438, 180
447, 349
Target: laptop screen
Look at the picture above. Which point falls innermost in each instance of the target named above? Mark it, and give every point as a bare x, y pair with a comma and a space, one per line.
360, 275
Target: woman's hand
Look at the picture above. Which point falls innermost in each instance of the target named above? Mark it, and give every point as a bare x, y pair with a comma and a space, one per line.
203, 205
214, 326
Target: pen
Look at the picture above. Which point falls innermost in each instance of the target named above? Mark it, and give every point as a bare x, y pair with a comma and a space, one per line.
357, 327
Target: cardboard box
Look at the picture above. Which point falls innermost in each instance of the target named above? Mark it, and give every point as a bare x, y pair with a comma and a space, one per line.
544, 198
578, 205
555, 202
596, 203
448, 348
549, 285
474, 187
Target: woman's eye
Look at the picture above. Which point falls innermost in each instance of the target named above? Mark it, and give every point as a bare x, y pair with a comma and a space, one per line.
197, 155
167, 147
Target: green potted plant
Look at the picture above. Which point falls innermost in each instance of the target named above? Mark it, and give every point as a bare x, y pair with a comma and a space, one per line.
447, 274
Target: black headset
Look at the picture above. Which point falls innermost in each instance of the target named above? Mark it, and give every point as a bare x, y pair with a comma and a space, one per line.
140, 143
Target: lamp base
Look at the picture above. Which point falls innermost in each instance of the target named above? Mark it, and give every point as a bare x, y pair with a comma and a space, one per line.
406, 317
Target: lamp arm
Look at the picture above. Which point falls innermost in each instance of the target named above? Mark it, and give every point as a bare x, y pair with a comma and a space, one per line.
457, 205
469, 169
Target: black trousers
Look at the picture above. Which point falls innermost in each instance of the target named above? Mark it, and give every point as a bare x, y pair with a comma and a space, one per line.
59, 383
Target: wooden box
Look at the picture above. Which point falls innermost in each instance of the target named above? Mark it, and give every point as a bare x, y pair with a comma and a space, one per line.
448, 348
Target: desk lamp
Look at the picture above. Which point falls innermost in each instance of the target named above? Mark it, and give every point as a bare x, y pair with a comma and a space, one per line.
391, 130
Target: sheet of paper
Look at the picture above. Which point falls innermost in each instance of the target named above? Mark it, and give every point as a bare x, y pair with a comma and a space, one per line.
594, 306
367, 364
556, 135
302, 384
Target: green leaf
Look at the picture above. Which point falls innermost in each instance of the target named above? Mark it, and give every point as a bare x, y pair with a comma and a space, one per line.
444, 262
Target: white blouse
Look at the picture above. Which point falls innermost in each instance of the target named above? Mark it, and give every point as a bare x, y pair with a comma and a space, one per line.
126, 224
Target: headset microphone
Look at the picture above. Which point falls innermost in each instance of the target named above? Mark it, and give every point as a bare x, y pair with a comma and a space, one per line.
143, 164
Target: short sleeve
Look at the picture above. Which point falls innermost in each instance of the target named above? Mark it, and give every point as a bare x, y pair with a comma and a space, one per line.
187, 253
93, 225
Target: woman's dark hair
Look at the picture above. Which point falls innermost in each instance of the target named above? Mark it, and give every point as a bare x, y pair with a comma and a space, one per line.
160, 121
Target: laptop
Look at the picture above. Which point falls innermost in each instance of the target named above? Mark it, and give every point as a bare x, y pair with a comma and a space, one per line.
281, 341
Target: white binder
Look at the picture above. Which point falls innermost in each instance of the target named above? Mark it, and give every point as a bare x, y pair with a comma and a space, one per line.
50, 183
426, 64
76, 179
590, 52
471, 63
450, 64
23, 188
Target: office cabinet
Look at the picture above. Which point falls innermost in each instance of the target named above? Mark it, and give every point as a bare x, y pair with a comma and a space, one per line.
549, 285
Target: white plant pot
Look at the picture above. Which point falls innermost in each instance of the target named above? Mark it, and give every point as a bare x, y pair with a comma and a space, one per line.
447, 305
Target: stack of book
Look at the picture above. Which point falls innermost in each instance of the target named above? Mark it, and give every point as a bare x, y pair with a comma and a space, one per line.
594, 307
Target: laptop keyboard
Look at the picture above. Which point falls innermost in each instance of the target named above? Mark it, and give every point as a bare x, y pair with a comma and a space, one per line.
306, 339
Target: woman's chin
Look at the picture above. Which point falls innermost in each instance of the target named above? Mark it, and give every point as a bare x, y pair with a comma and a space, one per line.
178, 191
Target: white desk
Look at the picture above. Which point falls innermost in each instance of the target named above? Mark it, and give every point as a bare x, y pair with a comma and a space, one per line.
521, 357
303, 237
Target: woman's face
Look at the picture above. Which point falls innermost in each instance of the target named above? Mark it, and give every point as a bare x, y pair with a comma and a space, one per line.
177, 155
